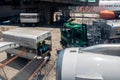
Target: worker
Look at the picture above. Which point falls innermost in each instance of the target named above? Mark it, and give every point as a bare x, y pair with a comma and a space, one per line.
42, 48
39, 48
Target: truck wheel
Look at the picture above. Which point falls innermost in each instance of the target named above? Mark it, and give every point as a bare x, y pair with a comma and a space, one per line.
33, 25
23, 24
110, 41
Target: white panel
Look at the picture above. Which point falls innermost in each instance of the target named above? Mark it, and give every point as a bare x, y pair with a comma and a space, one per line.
26, 36
69, 64
7, 45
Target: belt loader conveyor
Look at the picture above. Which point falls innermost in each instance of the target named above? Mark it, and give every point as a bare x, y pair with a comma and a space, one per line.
30, 70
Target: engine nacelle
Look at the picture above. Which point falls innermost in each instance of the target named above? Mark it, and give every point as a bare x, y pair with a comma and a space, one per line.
99, 62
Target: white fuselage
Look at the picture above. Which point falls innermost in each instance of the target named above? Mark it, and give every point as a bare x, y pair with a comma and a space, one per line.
110, 5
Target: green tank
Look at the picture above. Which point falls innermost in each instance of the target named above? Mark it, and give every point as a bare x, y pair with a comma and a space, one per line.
73, 35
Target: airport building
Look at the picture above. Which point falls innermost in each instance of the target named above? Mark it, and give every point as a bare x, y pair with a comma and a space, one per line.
45, 8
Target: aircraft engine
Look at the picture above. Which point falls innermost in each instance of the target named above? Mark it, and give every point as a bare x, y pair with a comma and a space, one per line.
98, 62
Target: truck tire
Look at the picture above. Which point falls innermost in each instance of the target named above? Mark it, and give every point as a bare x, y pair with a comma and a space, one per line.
33, 24
23, 24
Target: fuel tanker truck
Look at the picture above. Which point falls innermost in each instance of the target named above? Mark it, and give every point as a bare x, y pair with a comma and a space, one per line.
98, 62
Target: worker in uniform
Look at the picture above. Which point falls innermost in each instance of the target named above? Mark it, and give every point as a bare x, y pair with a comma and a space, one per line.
39, 48
42, 48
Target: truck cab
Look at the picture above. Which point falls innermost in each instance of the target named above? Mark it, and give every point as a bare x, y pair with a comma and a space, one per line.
73, 35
